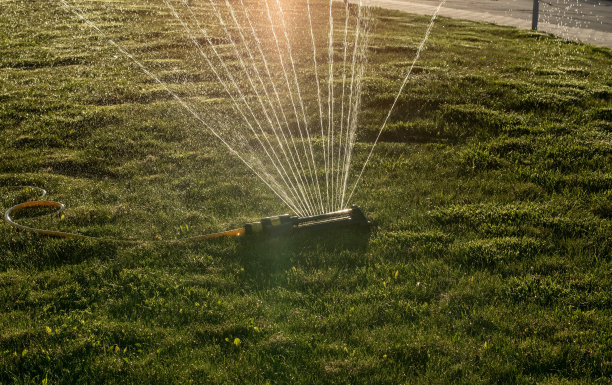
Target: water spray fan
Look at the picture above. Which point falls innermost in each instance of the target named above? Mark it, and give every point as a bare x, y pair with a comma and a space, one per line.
293, 175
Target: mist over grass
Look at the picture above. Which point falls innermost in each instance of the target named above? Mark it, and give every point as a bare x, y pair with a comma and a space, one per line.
488, 260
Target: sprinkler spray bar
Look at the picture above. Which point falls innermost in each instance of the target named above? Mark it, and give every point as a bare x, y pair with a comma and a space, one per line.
287, 224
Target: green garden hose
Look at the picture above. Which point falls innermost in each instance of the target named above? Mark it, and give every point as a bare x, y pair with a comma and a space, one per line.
60, 206
267, 227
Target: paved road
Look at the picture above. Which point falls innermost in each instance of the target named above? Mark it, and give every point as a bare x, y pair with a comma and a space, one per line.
589, 21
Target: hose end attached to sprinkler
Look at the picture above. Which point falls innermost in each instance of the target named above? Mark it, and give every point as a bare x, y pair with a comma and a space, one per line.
287, 224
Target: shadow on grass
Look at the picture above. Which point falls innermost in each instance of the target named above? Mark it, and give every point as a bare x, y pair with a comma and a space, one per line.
266, 259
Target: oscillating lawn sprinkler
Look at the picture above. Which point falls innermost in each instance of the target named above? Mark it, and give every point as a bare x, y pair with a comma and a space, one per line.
287, 224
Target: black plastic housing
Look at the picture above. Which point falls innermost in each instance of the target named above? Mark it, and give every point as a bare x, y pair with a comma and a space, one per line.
286, 224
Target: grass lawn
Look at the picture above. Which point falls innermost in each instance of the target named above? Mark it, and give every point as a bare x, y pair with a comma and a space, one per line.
490, 194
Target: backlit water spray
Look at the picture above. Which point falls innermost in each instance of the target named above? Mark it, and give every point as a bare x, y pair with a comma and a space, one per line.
292, 74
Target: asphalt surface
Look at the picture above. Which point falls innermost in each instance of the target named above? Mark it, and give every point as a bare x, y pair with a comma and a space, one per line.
589, 21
